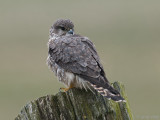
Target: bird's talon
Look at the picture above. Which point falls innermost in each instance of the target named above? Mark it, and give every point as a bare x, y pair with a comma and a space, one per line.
60, 89
64, 89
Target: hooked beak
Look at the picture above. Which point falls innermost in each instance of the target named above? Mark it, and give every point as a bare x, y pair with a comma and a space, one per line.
71, 32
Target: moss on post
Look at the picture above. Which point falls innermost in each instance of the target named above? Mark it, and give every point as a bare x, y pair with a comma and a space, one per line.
77, 104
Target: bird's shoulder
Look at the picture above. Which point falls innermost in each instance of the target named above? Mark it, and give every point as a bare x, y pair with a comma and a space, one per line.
76, 54
75, 41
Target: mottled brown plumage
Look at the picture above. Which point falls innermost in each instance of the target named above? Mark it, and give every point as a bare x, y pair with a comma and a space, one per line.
75, 61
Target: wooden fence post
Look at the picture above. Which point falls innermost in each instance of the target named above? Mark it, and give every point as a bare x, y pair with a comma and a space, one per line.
77, 104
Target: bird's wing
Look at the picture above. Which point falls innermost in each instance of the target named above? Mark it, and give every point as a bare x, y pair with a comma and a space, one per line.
78, 55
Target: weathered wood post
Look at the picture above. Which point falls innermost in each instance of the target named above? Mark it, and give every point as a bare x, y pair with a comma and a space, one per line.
77, 104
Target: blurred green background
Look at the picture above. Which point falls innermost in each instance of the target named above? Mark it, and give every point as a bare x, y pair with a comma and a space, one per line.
126, 35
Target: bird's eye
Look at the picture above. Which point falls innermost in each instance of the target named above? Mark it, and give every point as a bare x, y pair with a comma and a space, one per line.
62, 28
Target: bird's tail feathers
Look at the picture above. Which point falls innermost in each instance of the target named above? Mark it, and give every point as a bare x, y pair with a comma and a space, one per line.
102, 85
107, 93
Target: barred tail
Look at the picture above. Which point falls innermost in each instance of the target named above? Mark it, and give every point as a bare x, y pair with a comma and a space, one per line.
102, 85
106, 93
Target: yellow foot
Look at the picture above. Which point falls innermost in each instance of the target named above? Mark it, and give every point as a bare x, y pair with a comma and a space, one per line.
64, 89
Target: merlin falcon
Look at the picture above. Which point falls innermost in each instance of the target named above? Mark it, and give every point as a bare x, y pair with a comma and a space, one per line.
74, 60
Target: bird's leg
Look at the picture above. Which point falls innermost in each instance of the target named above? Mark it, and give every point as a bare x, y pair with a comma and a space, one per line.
66, 89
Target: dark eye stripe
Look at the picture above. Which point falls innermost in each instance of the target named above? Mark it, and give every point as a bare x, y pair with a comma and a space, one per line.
62, 28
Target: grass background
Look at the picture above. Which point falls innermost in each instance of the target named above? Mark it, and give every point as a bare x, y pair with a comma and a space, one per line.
126, 35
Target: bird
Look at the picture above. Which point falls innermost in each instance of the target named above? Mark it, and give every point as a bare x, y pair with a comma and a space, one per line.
74, 60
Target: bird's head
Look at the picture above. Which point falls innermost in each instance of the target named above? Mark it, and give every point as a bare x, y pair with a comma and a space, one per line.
62, 27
